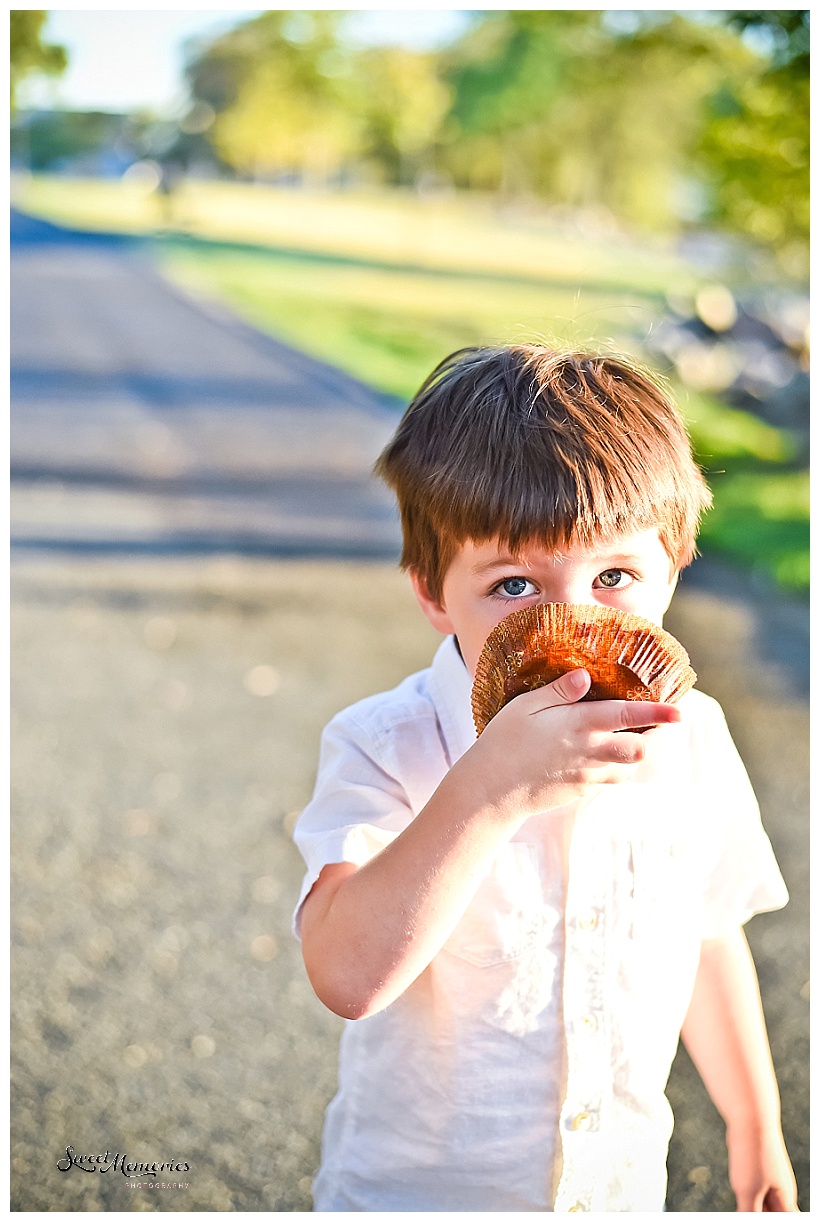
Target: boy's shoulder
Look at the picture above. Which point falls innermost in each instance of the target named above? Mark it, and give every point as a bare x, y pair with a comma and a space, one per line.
702, 713
410, 700
710, 740
429, 707
699, 707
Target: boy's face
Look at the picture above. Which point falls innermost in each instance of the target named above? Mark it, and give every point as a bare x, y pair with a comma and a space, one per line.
485, 583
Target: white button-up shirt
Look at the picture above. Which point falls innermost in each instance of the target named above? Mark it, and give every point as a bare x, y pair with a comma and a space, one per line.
525, 1068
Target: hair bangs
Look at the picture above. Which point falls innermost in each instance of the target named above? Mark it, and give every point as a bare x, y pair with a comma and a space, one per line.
525, 444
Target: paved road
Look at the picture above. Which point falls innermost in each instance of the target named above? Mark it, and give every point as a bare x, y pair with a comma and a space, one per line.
143, 422
199, 582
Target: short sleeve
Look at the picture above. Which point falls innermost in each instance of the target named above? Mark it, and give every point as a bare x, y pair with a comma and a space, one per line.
357, 808
741, 876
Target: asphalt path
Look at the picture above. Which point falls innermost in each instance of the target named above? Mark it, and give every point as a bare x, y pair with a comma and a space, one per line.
202, 573
143, 422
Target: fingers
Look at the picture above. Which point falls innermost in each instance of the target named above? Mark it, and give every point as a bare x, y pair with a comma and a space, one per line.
608, 716
621, 749
570, 688
595, 741
603, 716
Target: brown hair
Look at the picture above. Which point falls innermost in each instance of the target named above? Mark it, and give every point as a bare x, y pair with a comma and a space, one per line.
524, 443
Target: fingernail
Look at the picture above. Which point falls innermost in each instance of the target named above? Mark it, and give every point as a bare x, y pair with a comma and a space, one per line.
578, 679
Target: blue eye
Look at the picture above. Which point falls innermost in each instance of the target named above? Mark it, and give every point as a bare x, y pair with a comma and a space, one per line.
514, 587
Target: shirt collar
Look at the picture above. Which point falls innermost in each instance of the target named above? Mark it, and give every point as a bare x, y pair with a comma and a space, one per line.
451, 687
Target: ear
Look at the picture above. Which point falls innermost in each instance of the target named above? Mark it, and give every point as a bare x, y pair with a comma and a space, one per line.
435, 611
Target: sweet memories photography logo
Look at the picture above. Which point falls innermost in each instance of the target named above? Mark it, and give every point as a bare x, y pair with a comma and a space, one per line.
119, 1162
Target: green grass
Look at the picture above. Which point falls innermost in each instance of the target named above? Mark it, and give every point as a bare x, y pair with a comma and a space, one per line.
462, 232
384, 286
761, 518
722, 434
389, 327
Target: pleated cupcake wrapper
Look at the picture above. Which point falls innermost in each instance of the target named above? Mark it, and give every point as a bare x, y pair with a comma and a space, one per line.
628, 657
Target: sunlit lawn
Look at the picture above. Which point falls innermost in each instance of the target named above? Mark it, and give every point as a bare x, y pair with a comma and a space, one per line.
462, 232
385, 286
390, 327
761, 517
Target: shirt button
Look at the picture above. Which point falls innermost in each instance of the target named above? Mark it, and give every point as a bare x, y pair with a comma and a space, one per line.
589, 1022
578, 1208
589, 921
581, 1122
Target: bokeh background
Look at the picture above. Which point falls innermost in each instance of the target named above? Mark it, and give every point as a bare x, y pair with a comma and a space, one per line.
240, 240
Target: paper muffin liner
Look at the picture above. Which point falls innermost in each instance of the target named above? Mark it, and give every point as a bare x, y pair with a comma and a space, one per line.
628, 657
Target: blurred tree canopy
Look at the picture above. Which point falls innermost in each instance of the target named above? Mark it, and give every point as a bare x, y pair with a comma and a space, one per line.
28, 53
290, 99
755, 144
657, 118
587, 109
403, 102
282, 93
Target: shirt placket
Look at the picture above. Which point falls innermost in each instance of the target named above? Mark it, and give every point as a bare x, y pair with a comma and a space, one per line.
588, 926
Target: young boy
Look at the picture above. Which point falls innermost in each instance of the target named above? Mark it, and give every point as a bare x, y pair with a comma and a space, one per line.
522, 925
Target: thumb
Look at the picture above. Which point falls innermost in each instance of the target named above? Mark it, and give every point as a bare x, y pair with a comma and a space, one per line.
749, 1201
567, 690
776, 1202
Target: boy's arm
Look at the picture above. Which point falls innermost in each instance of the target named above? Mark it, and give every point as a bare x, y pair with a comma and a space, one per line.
725, 1035
367, 933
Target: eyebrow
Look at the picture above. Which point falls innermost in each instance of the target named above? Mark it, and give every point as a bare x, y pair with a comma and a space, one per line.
501, 562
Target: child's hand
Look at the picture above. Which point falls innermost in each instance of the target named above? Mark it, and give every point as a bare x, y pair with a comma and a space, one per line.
368, 931
545, 750
760, 1172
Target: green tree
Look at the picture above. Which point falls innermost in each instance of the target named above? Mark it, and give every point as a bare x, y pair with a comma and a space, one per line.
660, 117
291, 94
585, 108
755, 145
28, 53
280, 88
625, 135
402, 102
507, 74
